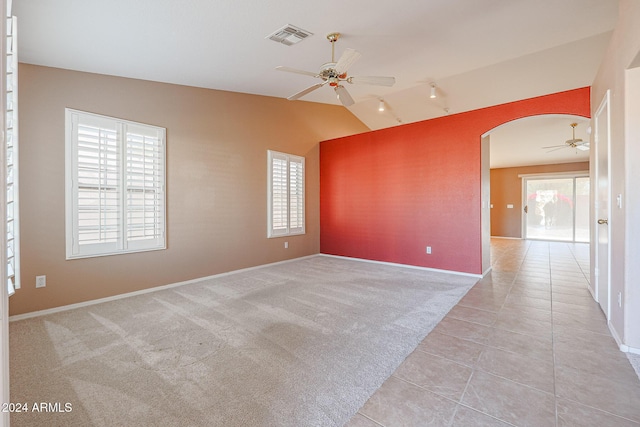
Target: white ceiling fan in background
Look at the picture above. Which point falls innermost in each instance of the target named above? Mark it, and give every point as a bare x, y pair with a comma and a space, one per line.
335, 74
574, 142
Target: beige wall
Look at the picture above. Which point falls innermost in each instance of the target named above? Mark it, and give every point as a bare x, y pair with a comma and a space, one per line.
621, 58
217, 146
506, 188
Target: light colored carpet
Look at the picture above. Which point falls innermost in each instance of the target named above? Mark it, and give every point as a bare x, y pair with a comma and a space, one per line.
303, 343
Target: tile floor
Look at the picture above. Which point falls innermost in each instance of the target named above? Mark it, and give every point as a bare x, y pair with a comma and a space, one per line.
527, 346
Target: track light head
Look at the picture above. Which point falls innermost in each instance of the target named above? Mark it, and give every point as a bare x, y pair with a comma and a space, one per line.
433, 91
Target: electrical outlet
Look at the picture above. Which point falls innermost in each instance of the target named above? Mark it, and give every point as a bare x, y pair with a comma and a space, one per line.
429, 249
41, 281
286, 245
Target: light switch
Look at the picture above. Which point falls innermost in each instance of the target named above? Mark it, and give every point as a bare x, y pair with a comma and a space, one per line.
509, 206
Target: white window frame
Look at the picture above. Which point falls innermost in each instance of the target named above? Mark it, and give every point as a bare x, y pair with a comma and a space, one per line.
134, 189
286, 194
11, 153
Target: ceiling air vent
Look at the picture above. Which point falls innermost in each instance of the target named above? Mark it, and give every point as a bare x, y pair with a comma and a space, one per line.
289, 35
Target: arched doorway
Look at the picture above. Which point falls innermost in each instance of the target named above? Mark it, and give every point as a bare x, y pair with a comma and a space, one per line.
534, 150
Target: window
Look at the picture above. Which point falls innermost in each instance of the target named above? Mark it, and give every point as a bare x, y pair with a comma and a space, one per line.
11, 155
115, 181
286, 194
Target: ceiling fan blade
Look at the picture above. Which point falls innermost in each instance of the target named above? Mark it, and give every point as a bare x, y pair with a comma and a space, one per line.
306, 91
559, 148
372, 80
344, 96
556, 146
584, 146
294, 70
349, 56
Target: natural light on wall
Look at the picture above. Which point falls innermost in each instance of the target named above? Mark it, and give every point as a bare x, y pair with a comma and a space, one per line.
11, 138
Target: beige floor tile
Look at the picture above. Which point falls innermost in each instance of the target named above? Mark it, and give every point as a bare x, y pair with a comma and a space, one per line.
435, 373
536, 272
593, 323
462, 329
525, 325
571, 414
509, 401
586, 301
467, 417
515, 312
525, 301
498, 287
474, 315
577, 290
490, 292
360, 420
532, 346
453, 348
398, 403
531, 292
563, 307
533, 372
529, 342
611, 365
482, 302
533, 283
599, 392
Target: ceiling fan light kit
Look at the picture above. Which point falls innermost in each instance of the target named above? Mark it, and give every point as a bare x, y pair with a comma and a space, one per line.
574, 142
334, 73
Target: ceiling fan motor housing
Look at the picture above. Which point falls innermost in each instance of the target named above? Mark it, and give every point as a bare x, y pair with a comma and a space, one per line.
328, 73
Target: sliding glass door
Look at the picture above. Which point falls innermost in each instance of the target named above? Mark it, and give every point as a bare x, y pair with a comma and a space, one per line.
557, 208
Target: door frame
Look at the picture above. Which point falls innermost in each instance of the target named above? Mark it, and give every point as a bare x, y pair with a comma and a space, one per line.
604, 107
551, 175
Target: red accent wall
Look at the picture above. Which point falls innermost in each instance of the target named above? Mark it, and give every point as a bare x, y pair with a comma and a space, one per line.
386, 195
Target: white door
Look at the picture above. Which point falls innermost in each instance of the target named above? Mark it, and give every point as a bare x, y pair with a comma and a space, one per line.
602, 206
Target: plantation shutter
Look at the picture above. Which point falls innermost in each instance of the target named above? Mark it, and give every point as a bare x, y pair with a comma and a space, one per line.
11, 147
116, 186
279, 200
296, 195
96, 164
144, 186
286, 194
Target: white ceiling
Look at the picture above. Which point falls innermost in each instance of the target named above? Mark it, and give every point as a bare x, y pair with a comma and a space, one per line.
478, 53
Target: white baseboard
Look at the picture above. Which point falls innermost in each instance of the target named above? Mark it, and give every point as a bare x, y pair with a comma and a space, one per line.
505, 237
144, 291
616, 337
487, 271
436, 270
632, 350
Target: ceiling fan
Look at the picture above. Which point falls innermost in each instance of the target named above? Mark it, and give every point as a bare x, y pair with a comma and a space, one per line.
574, 142
335, 73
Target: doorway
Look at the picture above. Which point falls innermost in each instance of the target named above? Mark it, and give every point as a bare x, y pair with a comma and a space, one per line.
602, 206
556, 208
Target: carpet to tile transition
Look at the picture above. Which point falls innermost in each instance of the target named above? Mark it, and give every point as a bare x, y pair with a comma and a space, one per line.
302, 343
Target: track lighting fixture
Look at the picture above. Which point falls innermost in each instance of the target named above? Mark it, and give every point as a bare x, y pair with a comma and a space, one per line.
381, 105
433, 91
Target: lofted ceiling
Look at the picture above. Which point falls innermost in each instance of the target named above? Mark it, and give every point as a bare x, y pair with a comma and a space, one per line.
477, 52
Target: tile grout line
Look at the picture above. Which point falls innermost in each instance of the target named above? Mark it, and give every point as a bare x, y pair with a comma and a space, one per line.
370, 419
485, 346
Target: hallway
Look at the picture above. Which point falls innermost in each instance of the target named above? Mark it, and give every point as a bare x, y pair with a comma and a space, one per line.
527, 346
